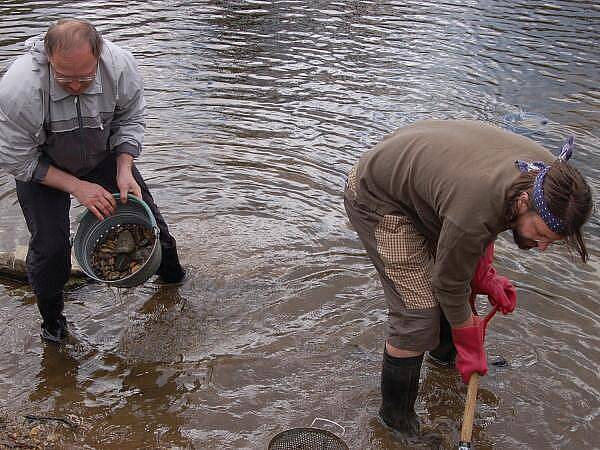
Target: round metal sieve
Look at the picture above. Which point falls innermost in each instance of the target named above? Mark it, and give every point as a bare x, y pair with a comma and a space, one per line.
308, 438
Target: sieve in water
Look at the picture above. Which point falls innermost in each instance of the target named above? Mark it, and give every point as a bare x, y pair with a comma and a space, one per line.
308, 438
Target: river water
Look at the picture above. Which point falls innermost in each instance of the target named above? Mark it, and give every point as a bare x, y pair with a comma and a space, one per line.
256, 111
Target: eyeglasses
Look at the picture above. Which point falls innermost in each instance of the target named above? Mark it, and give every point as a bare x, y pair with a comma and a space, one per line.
66, 80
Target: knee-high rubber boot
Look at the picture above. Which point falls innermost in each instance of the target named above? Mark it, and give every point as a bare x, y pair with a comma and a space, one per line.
170, 270
445, 352
54, 324
399, 388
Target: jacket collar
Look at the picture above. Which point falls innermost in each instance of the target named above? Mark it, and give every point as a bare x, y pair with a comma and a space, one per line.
58, 93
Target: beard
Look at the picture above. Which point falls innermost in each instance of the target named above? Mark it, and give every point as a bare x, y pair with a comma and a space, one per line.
522, 242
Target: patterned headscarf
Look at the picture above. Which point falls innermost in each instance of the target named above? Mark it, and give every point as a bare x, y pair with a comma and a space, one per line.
553, 222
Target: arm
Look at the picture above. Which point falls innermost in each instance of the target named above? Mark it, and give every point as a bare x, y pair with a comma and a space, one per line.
457, 254
128, 124
125, 180
93, 196
21, 126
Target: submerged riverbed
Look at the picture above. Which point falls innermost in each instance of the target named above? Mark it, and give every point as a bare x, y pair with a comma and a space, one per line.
256, 111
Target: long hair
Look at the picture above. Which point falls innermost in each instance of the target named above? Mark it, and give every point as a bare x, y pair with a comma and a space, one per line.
567, 195
66, 34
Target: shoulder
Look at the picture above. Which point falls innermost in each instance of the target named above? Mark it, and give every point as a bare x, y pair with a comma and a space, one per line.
22, 87
117, 57
24, 72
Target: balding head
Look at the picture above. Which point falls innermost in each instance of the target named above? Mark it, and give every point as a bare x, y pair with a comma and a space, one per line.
72, 34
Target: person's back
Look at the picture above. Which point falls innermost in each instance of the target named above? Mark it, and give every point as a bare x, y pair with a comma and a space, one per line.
437, 170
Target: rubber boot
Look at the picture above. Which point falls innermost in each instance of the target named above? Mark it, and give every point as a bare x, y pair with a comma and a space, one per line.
170, 270
445, 353
399, 388
54, 324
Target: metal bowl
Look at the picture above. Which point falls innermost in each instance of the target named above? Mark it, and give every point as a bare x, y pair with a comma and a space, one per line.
91, 230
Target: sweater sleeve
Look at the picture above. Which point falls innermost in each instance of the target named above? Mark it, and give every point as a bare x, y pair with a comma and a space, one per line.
127, 127
457, 255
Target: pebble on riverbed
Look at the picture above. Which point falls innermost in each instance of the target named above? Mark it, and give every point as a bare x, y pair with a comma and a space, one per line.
19, 434
122, 251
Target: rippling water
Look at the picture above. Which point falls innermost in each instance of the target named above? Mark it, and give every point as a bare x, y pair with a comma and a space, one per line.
257, 109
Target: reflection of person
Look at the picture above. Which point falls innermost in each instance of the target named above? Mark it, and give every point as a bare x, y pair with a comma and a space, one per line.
71, 122
427, 204
57, 377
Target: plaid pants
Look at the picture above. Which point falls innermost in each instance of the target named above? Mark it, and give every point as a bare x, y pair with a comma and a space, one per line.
404, 262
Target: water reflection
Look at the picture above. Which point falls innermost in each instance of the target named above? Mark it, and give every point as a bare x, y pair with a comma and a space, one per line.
57, 378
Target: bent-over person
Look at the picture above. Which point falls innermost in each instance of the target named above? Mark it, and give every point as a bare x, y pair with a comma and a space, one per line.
428, 203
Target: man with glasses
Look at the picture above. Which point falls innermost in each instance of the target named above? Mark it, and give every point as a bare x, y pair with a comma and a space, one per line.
71, 123
427, 204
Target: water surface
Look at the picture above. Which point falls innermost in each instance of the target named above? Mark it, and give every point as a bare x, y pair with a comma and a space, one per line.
256, 111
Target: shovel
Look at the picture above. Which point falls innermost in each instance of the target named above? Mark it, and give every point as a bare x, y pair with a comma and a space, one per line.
470, 403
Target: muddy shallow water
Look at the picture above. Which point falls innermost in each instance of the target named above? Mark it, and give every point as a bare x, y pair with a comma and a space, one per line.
256, 111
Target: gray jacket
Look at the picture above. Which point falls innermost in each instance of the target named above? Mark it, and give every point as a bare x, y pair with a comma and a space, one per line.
42, 124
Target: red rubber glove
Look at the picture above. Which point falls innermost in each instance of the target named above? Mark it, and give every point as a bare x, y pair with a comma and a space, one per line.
470, 350
500, 291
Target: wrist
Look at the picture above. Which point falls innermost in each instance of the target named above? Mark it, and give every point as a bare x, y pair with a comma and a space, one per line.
73, 186
124, 162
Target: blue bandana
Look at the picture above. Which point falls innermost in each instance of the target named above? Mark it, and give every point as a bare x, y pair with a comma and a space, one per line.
553, 222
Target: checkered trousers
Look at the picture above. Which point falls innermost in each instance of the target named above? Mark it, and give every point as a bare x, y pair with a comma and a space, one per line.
404, 254
403, 260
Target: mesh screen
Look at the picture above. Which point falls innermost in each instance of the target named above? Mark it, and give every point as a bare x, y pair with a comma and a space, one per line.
307, 439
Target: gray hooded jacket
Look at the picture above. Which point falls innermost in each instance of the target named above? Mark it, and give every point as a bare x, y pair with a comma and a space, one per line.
42, 124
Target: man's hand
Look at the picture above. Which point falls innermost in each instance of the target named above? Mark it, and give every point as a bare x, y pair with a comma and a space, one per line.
125, 180
470, 349
499, 289
95, 198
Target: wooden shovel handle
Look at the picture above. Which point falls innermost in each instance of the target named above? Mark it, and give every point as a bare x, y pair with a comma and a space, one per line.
466, 431
469, 415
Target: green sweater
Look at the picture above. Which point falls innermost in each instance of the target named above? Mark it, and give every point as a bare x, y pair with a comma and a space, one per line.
450, 177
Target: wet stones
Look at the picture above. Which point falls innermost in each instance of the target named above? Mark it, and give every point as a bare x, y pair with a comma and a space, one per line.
125, 242
122, 251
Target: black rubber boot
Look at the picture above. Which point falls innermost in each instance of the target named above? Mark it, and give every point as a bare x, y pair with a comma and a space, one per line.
399, 389
54, 324
170, 270
445, 353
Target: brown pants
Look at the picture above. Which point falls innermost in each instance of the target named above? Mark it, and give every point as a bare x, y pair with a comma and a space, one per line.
404, 263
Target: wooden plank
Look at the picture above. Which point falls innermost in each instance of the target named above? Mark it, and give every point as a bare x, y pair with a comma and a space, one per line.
12, 264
